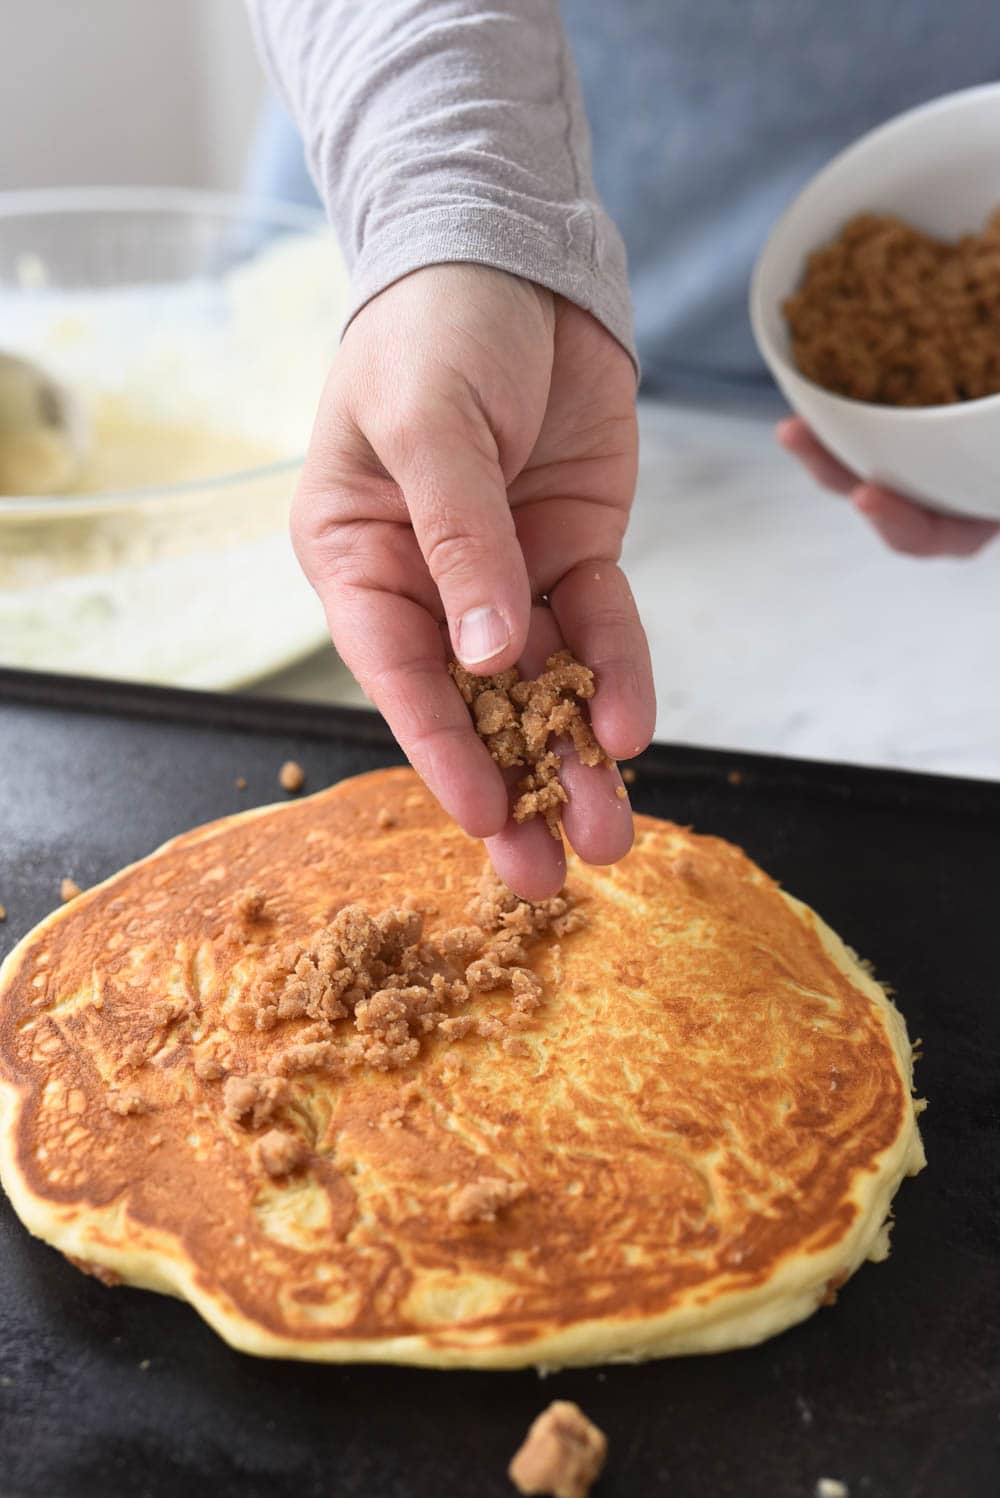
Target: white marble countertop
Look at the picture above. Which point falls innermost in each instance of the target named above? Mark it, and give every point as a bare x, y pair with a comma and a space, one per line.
779, 622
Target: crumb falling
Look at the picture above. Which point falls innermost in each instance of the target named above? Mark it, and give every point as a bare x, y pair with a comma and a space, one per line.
291, 776
563, 1454
68, 890
887, 314
735, 777
628, 775
516, 719
240, 782
3, 912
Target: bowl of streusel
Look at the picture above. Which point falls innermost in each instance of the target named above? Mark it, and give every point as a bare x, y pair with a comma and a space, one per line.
876, 304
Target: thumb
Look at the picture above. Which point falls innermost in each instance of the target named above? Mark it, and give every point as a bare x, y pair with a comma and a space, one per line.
456, 497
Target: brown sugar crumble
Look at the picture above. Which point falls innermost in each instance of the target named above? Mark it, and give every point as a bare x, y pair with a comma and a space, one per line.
208, 1069
249, 904
125, 1103
252, 1101
279, 1153
384, 818
563, 1453
291, 776
890, 315
366, 990
481, 1200
516, 719
68, 890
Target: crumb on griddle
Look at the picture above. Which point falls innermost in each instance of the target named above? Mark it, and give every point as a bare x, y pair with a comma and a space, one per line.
3, 912
735, 777
253, 1100
563, 1453
516, 719
250, 903
208, 1069
394, 1116
291, 776
482, 1199
279, 1153
831, 1487
240, 782
68, 890
125, 1104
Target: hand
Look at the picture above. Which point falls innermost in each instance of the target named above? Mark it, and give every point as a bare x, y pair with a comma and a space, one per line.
474, 453
902, 524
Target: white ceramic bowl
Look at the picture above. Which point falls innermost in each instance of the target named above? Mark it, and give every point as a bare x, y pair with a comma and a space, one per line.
938, 167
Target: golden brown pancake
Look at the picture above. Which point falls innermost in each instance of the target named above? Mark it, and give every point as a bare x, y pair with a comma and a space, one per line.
685, 1140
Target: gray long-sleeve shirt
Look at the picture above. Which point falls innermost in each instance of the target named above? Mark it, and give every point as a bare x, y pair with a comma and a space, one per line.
442, 130
454, 130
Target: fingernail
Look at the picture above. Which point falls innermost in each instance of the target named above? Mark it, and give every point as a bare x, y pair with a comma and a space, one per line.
482, 633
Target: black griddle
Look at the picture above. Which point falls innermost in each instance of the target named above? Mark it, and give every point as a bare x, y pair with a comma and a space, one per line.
895, 1391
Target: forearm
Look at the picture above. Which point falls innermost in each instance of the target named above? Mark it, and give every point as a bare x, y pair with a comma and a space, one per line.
448, 130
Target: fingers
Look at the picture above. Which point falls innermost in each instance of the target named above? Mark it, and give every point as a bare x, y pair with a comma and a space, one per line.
528, 859
455, 493
796, 438
909, 528
598, 619
596, 820
902, 523
394, 648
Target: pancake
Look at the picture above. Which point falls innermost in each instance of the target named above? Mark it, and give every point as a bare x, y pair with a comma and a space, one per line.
667, 1114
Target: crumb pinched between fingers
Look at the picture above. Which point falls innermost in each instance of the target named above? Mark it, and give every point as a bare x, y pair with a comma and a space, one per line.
516, 719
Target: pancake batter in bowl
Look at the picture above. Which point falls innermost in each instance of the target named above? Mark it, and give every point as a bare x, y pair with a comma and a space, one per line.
131, 449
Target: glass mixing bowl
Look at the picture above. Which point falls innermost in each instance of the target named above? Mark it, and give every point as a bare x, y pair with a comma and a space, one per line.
210, 314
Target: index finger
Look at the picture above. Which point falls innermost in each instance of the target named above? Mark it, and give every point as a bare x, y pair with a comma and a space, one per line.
917, 532
828, 471
394, 648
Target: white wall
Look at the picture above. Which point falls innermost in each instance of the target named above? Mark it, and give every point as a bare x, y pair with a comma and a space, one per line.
125, 91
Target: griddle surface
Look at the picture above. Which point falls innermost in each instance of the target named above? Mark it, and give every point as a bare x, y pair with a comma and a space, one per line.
896, 1390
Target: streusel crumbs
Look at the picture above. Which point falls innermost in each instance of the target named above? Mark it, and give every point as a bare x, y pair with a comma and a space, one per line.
516, 719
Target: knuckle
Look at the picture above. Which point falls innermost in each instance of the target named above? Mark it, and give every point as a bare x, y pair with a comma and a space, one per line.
402, 428
335, 552
453, 556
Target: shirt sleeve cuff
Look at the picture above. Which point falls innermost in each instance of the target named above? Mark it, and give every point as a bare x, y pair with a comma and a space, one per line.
593, 276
